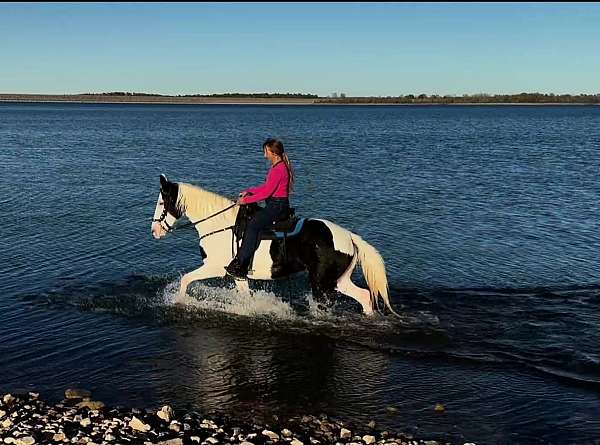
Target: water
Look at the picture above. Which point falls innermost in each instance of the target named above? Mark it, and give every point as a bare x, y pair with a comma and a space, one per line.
486, 217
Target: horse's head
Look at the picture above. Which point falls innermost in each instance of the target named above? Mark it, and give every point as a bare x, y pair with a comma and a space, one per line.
167, 210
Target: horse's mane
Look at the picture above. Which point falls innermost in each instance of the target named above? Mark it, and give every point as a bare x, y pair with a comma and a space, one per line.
198, 203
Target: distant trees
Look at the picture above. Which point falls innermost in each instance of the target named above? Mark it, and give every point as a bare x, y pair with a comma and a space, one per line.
480, 98
122, 93
257, 95
236, 95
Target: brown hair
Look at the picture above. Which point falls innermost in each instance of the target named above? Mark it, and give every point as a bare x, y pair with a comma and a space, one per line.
276, 147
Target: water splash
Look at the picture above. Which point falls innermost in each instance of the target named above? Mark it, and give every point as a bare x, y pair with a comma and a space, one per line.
231, 301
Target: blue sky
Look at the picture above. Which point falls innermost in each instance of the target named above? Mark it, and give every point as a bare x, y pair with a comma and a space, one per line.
357, 48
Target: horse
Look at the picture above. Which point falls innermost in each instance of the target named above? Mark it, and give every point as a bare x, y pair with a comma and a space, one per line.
328, 252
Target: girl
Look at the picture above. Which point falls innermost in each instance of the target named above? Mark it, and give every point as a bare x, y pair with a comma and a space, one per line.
275, 192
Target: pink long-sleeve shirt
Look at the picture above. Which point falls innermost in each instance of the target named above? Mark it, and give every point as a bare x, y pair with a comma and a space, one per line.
276, 185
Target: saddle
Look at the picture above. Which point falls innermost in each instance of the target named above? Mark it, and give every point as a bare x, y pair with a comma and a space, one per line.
280, 229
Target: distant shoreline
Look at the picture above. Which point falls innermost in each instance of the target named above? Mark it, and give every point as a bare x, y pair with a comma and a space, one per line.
175, 100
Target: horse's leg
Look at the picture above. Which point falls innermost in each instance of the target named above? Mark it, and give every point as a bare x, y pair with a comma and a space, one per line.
242, 286
347, 287
321, 284
205, 271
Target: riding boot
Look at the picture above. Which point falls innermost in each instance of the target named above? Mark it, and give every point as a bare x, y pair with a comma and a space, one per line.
236, 269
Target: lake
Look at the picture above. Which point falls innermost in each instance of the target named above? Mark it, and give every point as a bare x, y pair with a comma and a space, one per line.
486, 217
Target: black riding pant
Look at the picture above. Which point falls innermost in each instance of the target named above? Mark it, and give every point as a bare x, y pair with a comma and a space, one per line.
277, 209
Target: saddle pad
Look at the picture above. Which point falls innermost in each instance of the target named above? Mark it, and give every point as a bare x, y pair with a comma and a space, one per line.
271, 234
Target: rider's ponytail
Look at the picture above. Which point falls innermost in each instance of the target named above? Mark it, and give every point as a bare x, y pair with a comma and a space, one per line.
276, 147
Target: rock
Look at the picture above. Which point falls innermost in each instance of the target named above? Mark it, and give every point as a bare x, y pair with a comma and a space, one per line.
2, 414
195, 439
391, 410
271, 435
296, 442
138, 425
8, 399
85, 422
439, 408
6, 423
246, 443
345, 434
368, 439
59, 437
172, 442
431, 442
372, 424
77, 393
25, 441
109, 437
286, 433
212, 440
175, 426
9, 440
92, 405
166, 413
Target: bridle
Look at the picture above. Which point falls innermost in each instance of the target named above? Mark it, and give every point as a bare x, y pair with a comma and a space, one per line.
163, 219
169, 228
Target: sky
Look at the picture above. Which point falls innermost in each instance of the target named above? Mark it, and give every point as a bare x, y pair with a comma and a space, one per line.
360, 49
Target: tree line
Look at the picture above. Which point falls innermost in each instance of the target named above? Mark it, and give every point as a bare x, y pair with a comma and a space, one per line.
234, 95
470, 99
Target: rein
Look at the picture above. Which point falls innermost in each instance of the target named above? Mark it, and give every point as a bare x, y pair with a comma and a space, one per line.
195, 223
170, 228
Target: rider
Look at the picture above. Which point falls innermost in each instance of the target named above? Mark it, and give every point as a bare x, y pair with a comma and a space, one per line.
275, 191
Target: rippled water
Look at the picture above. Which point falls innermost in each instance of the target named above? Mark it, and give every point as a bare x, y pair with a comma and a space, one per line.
486, 217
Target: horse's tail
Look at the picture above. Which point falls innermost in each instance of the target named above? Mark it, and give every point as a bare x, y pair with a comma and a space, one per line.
373, 269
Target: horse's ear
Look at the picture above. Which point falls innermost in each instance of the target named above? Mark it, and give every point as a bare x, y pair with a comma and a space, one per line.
163, 182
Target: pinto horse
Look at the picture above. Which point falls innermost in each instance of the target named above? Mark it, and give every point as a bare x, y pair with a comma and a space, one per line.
328, 252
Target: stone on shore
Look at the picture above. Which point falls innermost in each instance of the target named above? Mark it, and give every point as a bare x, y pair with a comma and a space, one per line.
166, 413
138, 425
72, 393
27, 420
8, 399
171, 442
90, 404
286, 433
271, 435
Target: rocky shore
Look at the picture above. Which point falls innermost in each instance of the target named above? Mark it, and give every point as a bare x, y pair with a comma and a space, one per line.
25, 419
